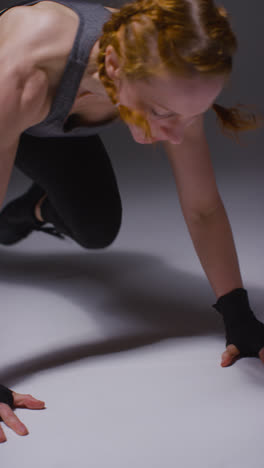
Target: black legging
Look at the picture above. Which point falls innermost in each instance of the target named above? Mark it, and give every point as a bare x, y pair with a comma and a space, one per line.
83, 200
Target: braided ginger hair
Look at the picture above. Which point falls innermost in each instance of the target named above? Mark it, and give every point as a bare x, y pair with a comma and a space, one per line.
188, 37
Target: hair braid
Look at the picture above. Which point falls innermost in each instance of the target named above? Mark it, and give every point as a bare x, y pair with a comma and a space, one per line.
232, 120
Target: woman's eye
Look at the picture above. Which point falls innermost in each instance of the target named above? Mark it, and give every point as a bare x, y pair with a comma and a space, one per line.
156, 113
160, 116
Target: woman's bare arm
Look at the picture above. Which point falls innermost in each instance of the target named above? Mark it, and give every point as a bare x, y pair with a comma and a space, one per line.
212, 238
203, 209
24, 102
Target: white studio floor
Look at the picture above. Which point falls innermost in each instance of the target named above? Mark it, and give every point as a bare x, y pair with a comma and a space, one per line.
123, 345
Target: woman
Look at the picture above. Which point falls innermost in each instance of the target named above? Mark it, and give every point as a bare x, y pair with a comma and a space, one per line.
68, 68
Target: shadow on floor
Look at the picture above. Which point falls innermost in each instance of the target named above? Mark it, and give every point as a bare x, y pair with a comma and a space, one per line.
154, 301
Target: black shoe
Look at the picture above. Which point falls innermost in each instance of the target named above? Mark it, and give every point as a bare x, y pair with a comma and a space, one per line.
18, 220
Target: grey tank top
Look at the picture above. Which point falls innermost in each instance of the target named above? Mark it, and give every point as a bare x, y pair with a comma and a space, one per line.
92, 17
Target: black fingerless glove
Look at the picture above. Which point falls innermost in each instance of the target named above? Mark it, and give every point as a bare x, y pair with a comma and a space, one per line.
243, 329
6, 396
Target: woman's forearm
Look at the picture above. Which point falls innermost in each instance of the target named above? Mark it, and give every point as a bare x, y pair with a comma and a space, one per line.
213, 241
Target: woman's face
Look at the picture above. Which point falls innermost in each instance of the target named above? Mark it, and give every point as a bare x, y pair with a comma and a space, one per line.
170, 104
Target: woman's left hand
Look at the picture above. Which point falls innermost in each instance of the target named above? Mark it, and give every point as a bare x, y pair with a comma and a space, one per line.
8, 416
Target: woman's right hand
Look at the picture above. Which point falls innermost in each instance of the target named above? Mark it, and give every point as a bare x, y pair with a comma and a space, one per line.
11, 420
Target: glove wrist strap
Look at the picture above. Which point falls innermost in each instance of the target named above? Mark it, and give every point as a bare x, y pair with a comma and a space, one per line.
234, 306
6, 396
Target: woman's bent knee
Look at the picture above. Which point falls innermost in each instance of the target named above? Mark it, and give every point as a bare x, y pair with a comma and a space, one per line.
99, 235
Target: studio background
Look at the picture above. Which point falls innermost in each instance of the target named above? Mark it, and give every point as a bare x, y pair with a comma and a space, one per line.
123, 344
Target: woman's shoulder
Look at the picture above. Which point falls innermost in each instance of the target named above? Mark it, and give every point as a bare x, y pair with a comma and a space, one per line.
39, 32
38, 36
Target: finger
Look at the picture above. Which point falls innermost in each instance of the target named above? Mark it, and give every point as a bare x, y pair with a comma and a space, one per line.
27, 401
11, 420
230, 355
261, 355
2, 436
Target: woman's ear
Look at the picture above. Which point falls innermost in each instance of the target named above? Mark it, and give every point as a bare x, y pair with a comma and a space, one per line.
112, 63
